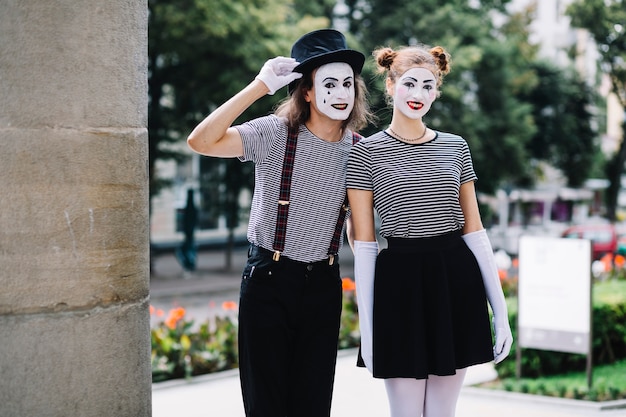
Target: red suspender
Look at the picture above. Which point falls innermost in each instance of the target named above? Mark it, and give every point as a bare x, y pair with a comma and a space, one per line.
285, 191
283, 200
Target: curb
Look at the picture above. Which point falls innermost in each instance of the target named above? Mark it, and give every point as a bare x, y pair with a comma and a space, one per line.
554, 401
213, 376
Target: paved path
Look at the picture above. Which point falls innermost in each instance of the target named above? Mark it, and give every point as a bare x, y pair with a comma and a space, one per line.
355, 394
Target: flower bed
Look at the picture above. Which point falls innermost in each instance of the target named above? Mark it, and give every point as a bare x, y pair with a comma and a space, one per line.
182, 349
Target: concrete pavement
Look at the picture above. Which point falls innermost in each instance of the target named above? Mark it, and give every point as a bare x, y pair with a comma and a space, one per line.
356, 392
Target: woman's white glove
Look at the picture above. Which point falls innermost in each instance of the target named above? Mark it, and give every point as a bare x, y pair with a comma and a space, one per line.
365, 254
278, 72
479, 244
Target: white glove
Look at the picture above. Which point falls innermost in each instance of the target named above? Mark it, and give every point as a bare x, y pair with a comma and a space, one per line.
278, 72
479, 244
365, 254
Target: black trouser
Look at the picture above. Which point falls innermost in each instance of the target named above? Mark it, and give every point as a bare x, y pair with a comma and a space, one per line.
289, 316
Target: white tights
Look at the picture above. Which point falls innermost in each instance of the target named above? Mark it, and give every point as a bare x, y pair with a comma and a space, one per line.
432, 397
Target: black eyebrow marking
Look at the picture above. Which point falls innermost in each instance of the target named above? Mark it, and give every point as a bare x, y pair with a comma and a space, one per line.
415, 80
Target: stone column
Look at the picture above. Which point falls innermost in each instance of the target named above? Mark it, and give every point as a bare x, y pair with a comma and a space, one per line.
74, 251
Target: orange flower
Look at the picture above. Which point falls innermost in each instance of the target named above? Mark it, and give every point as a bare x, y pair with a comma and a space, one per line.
347, 284
607, 260
152, 310
619, 261
515, 263
229, 305
160, 312
174, 316
502, 274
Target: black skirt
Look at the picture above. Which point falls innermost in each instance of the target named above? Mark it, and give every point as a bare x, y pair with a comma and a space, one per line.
430, 309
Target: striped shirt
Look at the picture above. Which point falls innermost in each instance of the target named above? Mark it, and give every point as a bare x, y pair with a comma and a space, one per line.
415, 186
318, 187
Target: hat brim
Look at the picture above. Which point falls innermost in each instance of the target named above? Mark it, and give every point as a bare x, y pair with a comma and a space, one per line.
353, 58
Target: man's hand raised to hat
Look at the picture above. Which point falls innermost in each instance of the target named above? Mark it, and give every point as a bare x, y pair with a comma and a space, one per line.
278, 72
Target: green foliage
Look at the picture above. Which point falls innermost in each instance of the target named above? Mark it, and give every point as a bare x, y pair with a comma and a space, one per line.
609, 384
349, 335
488, 97
479, 97
180, 350
564, 136
201, 53
604, 19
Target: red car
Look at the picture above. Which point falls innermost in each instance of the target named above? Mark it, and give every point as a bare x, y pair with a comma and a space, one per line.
603, 237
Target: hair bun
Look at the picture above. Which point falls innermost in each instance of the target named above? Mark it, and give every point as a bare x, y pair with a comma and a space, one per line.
384, 57
442, 58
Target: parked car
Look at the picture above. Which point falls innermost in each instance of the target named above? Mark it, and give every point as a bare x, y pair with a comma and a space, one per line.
603, 237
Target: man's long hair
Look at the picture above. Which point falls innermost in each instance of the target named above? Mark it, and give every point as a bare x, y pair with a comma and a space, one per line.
297, 110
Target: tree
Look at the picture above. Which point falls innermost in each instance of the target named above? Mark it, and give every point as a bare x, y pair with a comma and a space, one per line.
480, 96
605, 20
202, 52
492, 97
565, 137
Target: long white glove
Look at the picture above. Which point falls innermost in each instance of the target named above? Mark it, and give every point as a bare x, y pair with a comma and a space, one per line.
479, 244
278, 72
365, 254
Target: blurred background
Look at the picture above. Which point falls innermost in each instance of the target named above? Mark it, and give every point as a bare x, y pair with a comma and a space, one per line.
537, 89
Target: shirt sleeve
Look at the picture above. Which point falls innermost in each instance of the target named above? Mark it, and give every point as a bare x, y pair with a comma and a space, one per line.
257, 137
467, 169
359, 172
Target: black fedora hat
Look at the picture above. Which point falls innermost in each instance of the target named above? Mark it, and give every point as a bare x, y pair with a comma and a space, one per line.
323, 47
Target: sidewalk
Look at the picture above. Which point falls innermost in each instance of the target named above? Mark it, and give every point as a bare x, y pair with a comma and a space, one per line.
356, 392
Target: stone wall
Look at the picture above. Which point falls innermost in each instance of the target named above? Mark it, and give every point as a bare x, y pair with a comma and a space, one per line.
74, 223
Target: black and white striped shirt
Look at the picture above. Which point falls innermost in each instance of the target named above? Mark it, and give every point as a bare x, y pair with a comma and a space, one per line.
415, 186
318, 187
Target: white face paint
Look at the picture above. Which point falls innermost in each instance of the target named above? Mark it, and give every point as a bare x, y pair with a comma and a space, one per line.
415, 92
334, 90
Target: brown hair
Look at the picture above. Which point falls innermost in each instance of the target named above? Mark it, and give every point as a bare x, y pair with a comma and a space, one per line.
297, 110
397, 62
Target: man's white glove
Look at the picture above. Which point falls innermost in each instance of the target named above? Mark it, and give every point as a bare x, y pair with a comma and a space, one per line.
365, 254
278, 72
479, 244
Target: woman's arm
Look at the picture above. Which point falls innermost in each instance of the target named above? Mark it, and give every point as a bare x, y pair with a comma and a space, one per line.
469, 205
362, 207
365, 253
475, 236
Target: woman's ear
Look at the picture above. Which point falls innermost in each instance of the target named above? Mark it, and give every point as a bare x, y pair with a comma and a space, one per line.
389, 86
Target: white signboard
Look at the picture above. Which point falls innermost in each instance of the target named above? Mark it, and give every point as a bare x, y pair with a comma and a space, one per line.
554, 294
